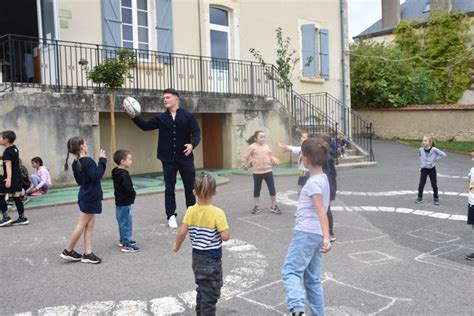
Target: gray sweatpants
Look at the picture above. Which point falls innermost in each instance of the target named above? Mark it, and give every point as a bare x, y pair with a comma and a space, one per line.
208, 278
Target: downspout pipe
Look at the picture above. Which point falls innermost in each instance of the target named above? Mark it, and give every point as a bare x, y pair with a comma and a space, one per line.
345, 65
199, 26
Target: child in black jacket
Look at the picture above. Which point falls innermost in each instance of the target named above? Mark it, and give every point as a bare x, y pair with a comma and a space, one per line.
329, 168
124, 198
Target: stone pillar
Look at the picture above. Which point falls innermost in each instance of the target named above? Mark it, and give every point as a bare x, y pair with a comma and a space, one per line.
390, 13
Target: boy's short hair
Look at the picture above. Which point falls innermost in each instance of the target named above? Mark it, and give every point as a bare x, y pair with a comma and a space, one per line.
171, 91
120, 155
316, 150
10, 135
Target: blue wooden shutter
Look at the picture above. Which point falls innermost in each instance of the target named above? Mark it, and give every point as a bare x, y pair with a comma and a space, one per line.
309, 49
164, 18
324, 44
111, 23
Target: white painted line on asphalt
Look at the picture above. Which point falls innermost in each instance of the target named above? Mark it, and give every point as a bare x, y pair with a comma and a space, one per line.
268, 307
128, 307
397, 193
434, 258
363, 257
64, 310
451, 177
166, 306
433, 236
422, 213
392, 299
189, 298
404, 210
366, 208
246, 219
96, 308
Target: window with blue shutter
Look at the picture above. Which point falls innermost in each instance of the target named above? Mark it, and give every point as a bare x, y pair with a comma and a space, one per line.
164, 17
111, 23
324, 55
309, 50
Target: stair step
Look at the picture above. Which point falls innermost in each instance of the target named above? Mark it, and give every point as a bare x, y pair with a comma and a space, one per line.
352, 165
350, 152
351, 159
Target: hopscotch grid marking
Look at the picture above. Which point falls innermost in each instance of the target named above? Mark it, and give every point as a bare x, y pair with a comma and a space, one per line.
244, 219
441, 262
411, 233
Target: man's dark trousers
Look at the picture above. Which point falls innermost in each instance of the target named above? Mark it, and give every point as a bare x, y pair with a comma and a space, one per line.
188, 175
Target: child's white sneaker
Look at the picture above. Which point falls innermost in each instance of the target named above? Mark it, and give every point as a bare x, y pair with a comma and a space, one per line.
172, 222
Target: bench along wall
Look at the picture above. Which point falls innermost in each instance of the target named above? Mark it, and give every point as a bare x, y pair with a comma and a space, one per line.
445, 122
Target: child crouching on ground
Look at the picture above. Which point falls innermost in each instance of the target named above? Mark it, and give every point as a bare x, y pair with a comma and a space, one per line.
207, 226
41, 179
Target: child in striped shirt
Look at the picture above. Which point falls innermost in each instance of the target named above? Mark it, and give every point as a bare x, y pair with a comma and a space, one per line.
207, 227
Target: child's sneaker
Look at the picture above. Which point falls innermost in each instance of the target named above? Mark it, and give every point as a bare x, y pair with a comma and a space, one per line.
130, 248
255, 210
5, 221
21, 221
91, 258
332, 238
275, 209
131, 242
418, 200
470, 256
436, 201
70, 255
36, 193
297, 314
45, 191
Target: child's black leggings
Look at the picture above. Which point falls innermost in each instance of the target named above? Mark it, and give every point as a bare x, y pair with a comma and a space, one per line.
257, 183
424, 173
3, 206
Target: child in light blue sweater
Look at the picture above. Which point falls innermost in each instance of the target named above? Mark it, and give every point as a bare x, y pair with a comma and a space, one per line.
429, 156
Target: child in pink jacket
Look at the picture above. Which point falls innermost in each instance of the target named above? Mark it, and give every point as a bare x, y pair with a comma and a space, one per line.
41, 179
262, 161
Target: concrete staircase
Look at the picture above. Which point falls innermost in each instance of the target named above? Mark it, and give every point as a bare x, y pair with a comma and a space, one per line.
353, 158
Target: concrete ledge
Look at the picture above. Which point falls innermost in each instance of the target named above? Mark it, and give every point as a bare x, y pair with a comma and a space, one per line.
364, 164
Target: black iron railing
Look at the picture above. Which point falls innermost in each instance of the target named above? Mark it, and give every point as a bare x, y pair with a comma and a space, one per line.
54, 64
352, 125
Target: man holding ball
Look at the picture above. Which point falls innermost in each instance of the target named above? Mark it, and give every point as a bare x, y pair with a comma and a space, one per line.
179, 134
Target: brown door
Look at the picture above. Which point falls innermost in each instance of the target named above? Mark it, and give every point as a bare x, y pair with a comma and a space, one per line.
212, 140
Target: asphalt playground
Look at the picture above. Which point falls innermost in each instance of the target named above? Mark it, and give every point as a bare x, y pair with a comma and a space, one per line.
391, 256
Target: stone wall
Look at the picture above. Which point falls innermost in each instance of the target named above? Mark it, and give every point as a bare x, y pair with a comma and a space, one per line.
44, 121
445, 122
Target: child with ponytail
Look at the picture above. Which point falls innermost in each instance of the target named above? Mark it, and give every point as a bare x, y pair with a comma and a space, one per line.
87, 175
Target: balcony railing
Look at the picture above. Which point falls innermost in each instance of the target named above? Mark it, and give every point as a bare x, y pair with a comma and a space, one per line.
54, 64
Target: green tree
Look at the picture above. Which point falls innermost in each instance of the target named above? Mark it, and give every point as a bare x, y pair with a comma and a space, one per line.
285, 62
112, 73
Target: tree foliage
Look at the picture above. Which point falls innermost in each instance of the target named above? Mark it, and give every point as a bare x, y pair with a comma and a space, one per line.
426, 64
285, 62
112, 72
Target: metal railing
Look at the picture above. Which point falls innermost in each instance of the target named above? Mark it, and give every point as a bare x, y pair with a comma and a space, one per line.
54, 64
352, 125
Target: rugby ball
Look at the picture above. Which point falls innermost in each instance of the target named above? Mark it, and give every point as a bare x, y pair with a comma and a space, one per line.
131, 106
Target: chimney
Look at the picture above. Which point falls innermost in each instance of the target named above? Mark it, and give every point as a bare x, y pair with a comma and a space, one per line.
441, 5
390, 13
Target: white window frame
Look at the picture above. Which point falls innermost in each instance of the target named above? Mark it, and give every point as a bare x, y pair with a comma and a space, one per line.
135, 27
221, 28
40, 19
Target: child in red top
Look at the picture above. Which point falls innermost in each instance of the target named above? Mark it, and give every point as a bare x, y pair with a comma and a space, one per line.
262, 161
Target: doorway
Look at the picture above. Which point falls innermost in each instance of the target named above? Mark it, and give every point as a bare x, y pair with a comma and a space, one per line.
213, 140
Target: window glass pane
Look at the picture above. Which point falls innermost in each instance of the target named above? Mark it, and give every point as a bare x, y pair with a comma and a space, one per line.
142, 18
127, 16
219, 16
143, 34
143, 53
127, 44
141, 5
127, 3
127, 33
219, 44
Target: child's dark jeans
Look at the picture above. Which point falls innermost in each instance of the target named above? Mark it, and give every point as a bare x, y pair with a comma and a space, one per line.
208, 277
